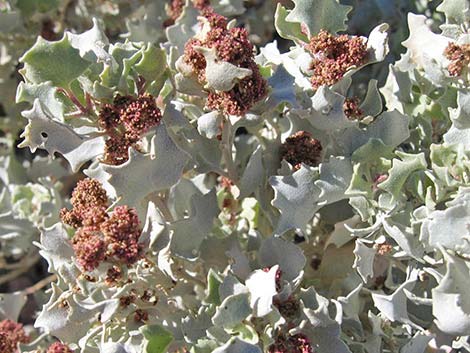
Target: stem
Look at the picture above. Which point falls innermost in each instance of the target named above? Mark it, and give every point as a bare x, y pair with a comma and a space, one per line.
41, 284
227, 133
161, 203
74, 100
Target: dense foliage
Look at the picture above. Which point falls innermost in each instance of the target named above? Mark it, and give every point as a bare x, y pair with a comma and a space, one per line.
234, 176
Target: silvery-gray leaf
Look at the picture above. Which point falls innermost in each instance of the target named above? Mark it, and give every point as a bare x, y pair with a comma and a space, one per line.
112, 347
46, 133
418, 344
449, 227
145, 173
241, 265
208, 124
451, 303
147, 24
46, 93
253, 175
221, 75
229, 7
364, 262
327, 111
186, 27
189, 233
231, 286
56, 247
372, 104
282, 89
195, 328
393, 306
92, 43
11, 305
351, 304
155, 232
262, 288
236, 345
289, 257
232, 311
377, 43
269, 54
427, 49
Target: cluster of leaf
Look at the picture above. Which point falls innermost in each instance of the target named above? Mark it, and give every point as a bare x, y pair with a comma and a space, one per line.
352, 238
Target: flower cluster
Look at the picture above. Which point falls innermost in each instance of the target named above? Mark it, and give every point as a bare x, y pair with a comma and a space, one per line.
459, 55
59, 348
333, 56
11, 334
100, 235
233, 46
298, 343
125, 122
301, 148
351, 108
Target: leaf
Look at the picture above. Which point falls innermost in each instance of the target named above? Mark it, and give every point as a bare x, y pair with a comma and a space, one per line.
46, 133
289, 257
56, 247
372, 104
58, 62
450, 300
143, 174
316, 15
401, 171
236, 345
221, 75
209, 124
189, 233
262, 288
213, 283
157, 338
300, 195
254, 174
92, 43
287, 30
11, 305
456, 11
364, 262
282, 89
232, 311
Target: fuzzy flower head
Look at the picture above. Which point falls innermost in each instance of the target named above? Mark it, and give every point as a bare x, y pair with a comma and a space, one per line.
101, 235
11, 334
351, 108
298, 343
301, 148
333, 56
459, 55
126, 121
89, 202
233, 46
59, 348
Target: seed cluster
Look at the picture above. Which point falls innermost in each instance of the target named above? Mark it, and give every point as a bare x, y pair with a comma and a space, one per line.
126, 121
59, 348
11, 334
298, 343
233, 46
459, 55
351, 108
300, 148
333, 56
101, 235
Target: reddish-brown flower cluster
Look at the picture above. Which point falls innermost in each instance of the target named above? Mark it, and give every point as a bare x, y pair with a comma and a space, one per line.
298, 343
11, 334
233, 46
59, 348
125, 122
333, 56
351, 108
175, 9
301, 148
459, 55
101, 235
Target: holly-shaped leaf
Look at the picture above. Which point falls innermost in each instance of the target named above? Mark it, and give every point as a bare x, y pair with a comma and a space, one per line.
316, 15
157, 338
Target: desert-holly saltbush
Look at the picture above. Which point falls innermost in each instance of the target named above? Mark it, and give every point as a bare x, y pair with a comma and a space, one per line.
234, 176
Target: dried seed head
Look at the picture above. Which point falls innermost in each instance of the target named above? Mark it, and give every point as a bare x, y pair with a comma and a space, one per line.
233, 46
59, 348
89, 202
459, 55
333, 56
126, 121
11, 334
351, 108
298, 343
301, 148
